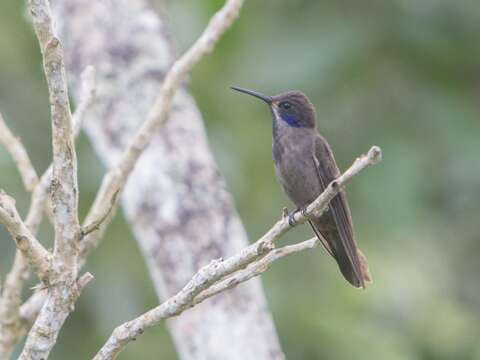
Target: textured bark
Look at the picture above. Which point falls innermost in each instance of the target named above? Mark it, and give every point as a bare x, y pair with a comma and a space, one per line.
175, 201
62, 280
223, 274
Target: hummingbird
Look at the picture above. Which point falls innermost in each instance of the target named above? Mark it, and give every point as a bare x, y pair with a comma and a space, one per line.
304, 166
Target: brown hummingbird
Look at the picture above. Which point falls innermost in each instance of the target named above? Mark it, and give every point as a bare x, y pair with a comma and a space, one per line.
304, 166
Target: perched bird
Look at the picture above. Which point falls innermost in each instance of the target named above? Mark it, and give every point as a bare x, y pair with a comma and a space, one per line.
304, 165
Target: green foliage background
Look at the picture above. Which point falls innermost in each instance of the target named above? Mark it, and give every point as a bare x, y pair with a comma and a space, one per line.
401, 74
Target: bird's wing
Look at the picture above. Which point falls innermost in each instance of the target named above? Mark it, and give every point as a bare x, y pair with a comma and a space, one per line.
322, 239
341, 241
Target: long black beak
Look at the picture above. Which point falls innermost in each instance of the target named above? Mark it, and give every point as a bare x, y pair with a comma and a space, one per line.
266, 98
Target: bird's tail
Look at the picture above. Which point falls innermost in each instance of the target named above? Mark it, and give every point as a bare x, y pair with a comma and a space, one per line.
351, 261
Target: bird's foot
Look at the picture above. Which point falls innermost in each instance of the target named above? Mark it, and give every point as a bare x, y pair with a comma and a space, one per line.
303, 211
291, 216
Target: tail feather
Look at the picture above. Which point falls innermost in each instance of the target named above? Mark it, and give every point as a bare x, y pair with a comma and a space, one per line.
357, 273
365, 271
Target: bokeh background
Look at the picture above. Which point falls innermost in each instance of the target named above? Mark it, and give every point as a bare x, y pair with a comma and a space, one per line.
401, 74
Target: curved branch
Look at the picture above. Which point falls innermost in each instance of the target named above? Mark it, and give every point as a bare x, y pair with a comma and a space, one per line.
87, 95
102, 210
246, 264
103, 207
19, 155
114, 181
34, 252
255, 269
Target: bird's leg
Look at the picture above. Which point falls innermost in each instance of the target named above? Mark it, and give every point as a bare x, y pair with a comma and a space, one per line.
303, 210
291, 216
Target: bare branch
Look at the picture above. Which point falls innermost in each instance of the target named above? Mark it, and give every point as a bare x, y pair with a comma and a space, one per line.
255, 269
19, 155
158, 115
15, 325
316, 208
95, 225
10, 302
15, 321
39, 202
44, 332
10, 298
28, 312
64, 290
87, 95
11, 328
36, 254
201, 286
101, 211
83, 281
64, 179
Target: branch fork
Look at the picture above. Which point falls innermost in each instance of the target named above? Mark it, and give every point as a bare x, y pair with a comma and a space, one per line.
220, 275
61, 267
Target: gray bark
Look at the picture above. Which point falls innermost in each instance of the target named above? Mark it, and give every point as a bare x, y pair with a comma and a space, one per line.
175, 201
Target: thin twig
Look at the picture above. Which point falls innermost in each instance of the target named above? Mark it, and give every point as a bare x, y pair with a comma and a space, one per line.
87, 95
95, 225
19, 155
255, 269
11, 326
114, 181
217, 270
101, 211
10, 296
34, 252
10, 301
29, 311
15, 321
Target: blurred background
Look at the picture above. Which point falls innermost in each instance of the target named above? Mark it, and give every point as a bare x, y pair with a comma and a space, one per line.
401, 74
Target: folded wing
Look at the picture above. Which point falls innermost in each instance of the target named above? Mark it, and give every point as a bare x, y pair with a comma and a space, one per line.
335, 228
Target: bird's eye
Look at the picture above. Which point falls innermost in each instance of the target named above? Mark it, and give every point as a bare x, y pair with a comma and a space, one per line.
285, 105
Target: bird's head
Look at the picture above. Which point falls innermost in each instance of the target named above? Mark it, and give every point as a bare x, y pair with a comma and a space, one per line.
292, 107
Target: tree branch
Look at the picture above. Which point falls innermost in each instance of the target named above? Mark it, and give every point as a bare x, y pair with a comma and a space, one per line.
14, 322
10, 296
255, 269
11, 326
10, 301
201, 286
64, 288
14, 325
102, 210
64, 179
114, 181
95, 224
30, 247
153, 199
19, 156
87, 95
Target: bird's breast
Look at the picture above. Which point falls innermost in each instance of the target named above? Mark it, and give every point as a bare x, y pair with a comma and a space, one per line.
295, 169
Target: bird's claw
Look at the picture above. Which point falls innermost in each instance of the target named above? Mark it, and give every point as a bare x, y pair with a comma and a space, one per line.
291, 219
291, 216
